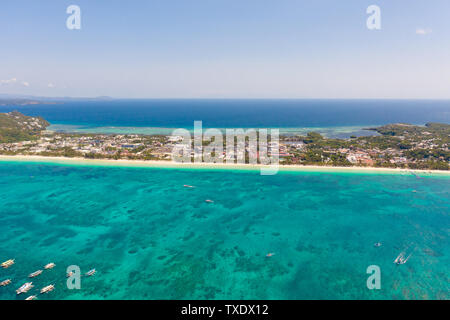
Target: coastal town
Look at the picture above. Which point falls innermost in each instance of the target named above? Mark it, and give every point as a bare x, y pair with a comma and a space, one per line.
394, 146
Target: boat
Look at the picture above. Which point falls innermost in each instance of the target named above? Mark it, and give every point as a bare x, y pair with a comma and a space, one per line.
270, 254
50, 265
25, 288
7, 263
377, 244
209, 201
399, 258
35, 274
188, 186
31, 298
91, 272
4, 283
69, 274
48, 289
403, 260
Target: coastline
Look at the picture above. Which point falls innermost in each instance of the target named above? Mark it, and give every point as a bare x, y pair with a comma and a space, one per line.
330, 132
171, 164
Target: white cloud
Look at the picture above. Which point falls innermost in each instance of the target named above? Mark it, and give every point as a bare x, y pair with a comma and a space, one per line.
423, 31
9, 81
14, 81
51, 85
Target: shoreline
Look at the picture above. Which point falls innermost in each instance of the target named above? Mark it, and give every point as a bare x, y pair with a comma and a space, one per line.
171, 164
151, 130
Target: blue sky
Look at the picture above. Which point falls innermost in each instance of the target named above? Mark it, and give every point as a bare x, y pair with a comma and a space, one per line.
226, 49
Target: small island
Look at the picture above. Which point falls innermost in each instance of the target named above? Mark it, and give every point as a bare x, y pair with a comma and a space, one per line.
403, 146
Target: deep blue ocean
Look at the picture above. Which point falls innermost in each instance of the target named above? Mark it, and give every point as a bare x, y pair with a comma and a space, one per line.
240, 113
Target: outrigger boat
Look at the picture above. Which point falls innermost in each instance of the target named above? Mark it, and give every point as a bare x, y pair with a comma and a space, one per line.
25, 288
51, 265
4, 283
31, 298
48, 289
209, 201
91, 272
35, 274
7, 263
398, 259
401, 259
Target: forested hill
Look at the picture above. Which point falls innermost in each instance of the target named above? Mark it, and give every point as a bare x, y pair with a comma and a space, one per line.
436, 130
14, 127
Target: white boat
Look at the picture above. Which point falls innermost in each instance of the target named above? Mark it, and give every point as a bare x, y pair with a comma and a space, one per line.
35, 274
50, 265
399, 258
4, 283
403, 260
7, 263
91, 272
48, 289
31, 298
25, 288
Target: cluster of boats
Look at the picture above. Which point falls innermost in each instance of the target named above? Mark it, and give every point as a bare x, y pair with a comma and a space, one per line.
29, 285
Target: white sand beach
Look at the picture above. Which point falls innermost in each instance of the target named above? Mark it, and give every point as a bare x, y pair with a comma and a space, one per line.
172, 164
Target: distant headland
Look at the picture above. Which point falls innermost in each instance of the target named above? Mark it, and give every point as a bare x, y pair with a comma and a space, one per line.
24, 100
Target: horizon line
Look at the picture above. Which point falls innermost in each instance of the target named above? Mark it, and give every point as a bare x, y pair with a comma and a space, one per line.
105, 98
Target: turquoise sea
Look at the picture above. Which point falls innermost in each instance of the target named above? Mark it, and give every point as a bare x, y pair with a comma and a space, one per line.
151, 238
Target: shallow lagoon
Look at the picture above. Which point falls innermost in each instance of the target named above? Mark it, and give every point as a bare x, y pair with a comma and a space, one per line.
151, 238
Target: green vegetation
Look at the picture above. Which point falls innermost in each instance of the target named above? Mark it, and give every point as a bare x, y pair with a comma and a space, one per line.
396, 146
15, 127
